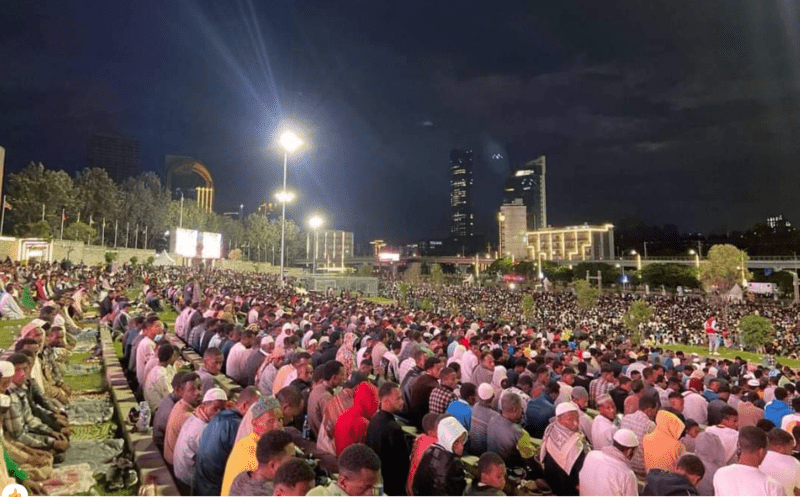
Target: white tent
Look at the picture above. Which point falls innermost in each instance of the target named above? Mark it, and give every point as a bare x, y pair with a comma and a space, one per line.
163, 259
735, 295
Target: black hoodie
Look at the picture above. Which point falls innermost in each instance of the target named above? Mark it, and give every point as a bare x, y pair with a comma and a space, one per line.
660, 482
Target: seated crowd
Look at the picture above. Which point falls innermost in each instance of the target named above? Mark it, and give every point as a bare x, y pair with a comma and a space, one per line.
407, 402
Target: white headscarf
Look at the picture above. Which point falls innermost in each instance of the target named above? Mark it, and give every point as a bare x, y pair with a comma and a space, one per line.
449, 431
457, 354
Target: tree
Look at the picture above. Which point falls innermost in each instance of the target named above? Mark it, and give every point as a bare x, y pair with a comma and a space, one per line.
587, 294
235, 254
608, 273
427, 304
528, 306
364, 270
37, 229
99, 193
724, 266
437, 277
755, 331
111, 257
134, 260
144, 203
638, 314
412, 273
502, 266
402, 292
669, 275
34, 187
80, 232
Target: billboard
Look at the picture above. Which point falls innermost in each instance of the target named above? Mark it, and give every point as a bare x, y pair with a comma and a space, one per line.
388, 257
193, 244
754, 287
212, 245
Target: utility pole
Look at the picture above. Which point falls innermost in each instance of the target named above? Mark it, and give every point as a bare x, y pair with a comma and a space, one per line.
645, 250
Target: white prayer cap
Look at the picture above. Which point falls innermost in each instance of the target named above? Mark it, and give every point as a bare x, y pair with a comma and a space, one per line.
626, 438
565, 407
215, 394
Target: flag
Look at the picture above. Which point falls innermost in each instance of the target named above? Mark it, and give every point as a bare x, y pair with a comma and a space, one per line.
63, 216
91, 221
6, 205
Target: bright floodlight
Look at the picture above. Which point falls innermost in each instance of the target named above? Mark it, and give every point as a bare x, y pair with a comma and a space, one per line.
691, 252
290, 141
633, 252
284, 196
315, 222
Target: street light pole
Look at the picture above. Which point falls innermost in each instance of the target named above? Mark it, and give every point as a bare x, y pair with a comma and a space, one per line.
290, 142
315, 222
283, 213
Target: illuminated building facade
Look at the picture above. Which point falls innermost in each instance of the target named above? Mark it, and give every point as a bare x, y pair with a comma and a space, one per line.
513, 226
462, 220
572, 243
190, 177
528, 183
333, 248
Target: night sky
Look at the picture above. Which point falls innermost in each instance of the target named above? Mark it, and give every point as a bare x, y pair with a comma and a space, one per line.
683, 112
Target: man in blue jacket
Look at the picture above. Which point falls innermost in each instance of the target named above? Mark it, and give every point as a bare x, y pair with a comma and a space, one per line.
778, 408
216, 444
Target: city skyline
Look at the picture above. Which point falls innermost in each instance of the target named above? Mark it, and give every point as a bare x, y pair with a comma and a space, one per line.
636, 118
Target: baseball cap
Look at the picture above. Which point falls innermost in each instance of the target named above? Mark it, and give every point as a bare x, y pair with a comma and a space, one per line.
753, 383
485, 391
213, 394
626, 438
565, 407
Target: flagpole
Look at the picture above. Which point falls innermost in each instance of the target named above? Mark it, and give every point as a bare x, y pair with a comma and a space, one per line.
136, 236
103, 236
42, 212
3, 216
127, 232
62, 223
79, 216
116, 225
145, 237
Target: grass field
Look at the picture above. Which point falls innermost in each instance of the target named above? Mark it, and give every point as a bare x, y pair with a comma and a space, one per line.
731, 354
379, 300
169, 316
9, 330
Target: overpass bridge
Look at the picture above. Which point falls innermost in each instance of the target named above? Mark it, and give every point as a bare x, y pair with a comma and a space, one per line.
776, 262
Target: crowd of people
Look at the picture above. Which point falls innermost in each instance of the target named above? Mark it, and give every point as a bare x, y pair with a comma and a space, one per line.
340, 395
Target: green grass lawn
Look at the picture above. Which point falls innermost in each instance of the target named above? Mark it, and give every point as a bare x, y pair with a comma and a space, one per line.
118, 350
379, 300
731, 354
93, 381
168, 316
9, 330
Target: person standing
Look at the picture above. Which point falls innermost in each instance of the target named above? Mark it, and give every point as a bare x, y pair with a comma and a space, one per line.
386, 438
712, 334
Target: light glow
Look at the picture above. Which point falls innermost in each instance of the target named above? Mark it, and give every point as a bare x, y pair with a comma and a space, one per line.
290, 141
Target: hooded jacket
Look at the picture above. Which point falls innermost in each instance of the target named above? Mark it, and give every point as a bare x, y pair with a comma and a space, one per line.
660, 482
662, 448
351, 427
443, 471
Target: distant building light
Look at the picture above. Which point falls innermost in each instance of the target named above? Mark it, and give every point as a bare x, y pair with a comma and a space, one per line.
524, 172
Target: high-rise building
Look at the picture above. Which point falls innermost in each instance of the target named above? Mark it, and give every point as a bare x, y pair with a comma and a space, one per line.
528, 183
513, 227
779, 223
116, 154
462, 221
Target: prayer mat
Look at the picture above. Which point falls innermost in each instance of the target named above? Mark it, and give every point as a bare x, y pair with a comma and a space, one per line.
98, 454
70, 480
99, 431
89, 412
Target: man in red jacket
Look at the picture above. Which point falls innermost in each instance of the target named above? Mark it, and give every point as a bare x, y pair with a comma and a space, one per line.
351, 427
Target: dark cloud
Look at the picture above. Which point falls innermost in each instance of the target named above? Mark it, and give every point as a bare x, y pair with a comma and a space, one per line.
682, 111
